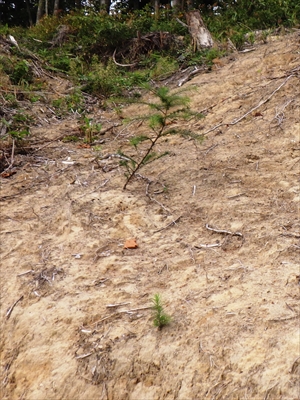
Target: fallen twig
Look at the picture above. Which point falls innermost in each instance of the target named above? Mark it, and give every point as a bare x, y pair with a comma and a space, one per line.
108, 129
11, 157
269, 391
170, 224
236, 195
237, 120
223, 231
84, 356
284, 318
25, 273
131, 311
208, 246
107, 156
116, 305
181, 23
98, 187
190, 74
51, 141
148, 194
10, 310
294, 235
210, 148
121, 65
295, 364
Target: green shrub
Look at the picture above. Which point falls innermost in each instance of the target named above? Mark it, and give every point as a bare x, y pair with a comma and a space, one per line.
73, 102
22, 73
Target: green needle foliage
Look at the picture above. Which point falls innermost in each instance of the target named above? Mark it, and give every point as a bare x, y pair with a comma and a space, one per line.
160, 318
167, 108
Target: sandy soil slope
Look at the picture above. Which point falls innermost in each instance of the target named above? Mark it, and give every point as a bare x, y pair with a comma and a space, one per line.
233, 296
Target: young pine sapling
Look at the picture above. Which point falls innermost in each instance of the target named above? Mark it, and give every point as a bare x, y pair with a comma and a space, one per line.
167, 108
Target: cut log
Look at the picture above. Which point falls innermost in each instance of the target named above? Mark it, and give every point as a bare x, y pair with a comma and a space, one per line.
200, 34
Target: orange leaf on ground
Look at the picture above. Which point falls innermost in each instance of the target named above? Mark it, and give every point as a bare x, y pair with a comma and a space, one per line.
130, 244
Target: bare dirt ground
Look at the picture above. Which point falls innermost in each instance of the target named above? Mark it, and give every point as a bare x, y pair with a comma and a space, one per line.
233, 296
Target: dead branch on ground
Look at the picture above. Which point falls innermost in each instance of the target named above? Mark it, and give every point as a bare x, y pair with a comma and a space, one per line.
121, 65
10, 310
236, 121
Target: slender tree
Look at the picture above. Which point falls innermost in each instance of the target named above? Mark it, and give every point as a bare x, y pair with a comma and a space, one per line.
56, 7
40, 10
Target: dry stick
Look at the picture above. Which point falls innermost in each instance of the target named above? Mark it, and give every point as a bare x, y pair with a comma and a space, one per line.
93, 191
284, 318
9, 311
83, 356
116, 305
25, 273
290, 308
294, 235
189, 75
236, 195
121, 65
11, 157
108, 129
269, 391
51, 141
170, 224
208, 246
148, 195
234, 122
122, 312
294, 366
223, 231
210, 148
160, 204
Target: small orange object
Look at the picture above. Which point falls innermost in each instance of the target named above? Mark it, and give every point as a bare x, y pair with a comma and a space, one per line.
7, 174
130, 244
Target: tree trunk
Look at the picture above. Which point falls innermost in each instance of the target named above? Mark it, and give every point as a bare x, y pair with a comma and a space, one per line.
200, 34
177, 4
40, 11
156, 8
29, 13
56, 7
105, 5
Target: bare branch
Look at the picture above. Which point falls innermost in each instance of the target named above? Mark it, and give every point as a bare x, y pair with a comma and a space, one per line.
121, 65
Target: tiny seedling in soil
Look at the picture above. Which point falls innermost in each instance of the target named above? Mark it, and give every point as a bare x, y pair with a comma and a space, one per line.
89, 128
160, 318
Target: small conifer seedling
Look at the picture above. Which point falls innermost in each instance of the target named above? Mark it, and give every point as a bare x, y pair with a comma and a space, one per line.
160, 318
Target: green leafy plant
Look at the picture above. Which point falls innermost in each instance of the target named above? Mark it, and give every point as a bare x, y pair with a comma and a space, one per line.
70, 138
11, 100
17, 126
73, 102
89, 128
22, 73
167, 108
160, 318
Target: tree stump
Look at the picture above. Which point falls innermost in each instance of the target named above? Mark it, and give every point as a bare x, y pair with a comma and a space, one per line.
200, 34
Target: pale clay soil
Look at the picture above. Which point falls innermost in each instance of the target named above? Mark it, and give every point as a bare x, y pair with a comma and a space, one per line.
235, 306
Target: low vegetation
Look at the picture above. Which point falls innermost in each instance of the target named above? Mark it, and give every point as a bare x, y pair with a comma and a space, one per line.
112, 56
89, 47
160, 317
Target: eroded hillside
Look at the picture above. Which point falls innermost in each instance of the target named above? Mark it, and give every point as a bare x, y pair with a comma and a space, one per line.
217, 226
